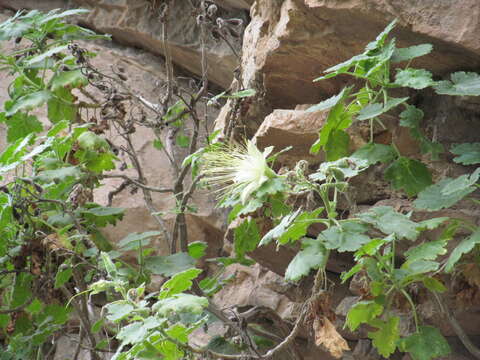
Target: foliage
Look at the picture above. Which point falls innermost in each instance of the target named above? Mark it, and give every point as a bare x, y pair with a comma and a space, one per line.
55, 255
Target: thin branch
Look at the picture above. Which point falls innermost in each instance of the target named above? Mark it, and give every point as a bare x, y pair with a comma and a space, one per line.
136, 183
457, 328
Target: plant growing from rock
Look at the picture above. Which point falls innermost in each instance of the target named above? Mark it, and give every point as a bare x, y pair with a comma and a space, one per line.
371, 236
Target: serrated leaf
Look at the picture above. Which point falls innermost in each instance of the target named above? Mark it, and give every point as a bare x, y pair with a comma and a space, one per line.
388, 221
373, 110
461, 84
55, 14
341, 169
338, 119
88, 140
468, 153
197, 249
386, 337
380, 39
72, 79
312, 256
405, 54
444, 194
411, 117
374, 153
426, 344
29, 102
134, 240
169, 265
408, 174
179, 283
292, 227
363, 312
427, 251
132, 333
20, 125
414, 78
180, 303
247, 237
431, 224
329, 103
45, 55
465, 246
59, 175
349, 236
118, 310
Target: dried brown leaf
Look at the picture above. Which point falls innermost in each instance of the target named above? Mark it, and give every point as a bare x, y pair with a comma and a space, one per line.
328, 338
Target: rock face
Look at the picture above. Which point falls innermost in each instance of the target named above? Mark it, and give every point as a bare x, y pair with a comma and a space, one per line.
137, 23
290, 43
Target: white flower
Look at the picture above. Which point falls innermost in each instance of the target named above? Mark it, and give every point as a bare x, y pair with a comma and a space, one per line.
237, 169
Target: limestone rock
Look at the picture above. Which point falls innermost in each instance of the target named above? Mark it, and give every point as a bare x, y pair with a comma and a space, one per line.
290, 43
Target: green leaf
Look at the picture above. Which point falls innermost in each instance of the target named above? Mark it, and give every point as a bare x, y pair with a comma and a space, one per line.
312, 256
337, 145
180, 303
414, 78
363, 312
465, 246
35, 307
241, 94
468, 153
157, 144
197, 249
462, 84
426, 344
338, 119
434, 285
72, 79
102, 215
118, 310
134, 240
88, 140
373, 110
182, 140
427, 251
97, 326
349, 236
341, 169
388, 221
46, 55
63, 276
61, 106
405, 54
59, 175
179, 283
178, 332
169, 265
380, 39
59, 313
374, 153
247, 237
411, 117
132, 333
292, 227
29, 102
55, 14
446, 192
330, 102
431, 224
386, 337
408, 174
417, 267
20, 125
